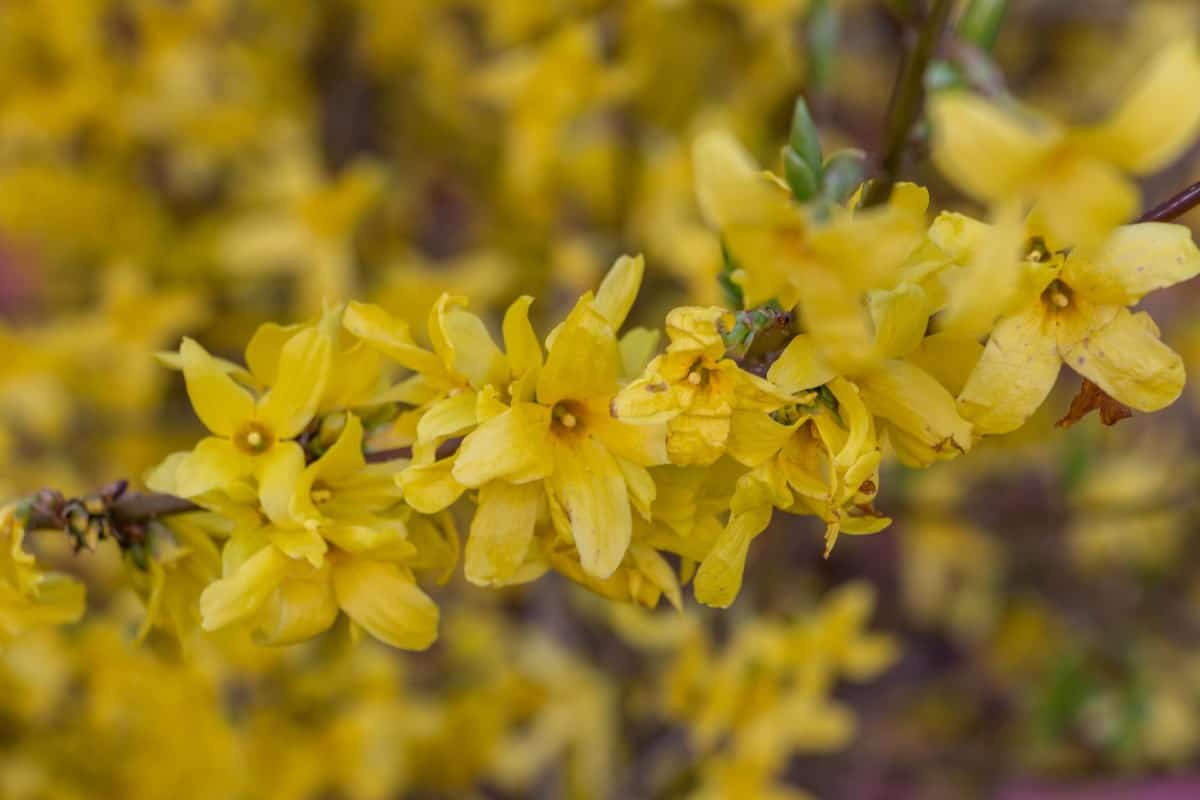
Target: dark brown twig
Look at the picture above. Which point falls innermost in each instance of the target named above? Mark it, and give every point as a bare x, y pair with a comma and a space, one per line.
1175, 207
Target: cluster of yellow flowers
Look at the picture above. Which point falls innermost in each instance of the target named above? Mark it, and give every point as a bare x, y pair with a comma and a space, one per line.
340, 451
799, 336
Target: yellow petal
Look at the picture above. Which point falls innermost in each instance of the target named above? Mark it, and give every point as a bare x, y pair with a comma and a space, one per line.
637, 347
520, 342
514, 446
800, 366
643, 444
647, 400
640, 485
1127, 360
220, 403
298, 610
263, 349
242, 593
429, 488
213, 464
344, 458
912, 400
391, 337
583, 361
1134, 260
1015, 373
1081, 200
619, 289
984, 150
697, 437
279, 474
300, 544
900, 317
719, 578
949, 357
462, 341
449, 417
754, 436
1159, 118
386, 603
730, 187
501, 531
303, 369
659, 572
592, 490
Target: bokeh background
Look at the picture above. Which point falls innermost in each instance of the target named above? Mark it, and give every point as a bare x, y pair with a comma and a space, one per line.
1028, 628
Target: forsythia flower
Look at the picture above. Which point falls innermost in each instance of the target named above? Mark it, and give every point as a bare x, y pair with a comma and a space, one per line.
1076, 314
695, 389
1074, 177
252, 437
559, 441
29, 597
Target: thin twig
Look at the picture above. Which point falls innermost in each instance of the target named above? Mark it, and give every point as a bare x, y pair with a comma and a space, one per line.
1175, 207
907, 99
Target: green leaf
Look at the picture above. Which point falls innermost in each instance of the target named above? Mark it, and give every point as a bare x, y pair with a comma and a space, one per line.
804, 139
800, 177
980, 23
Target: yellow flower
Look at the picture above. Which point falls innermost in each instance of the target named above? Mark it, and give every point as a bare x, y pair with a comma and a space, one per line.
251, 436
824, 462
1077, 315
844, 270
695, 389
29, 597
1075, 177
285, 600
560, 440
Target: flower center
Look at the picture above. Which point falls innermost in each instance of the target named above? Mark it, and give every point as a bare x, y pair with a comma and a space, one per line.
1057, 295
566, 419
254, 438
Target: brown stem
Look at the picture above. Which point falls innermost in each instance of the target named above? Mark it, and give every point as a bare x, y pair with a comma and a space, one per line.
445, 449
1175, 207
907, 100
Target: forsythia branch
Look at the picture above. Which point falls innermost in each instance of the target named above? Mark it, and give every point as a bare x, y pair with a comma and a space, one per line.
906, 104
1175, 207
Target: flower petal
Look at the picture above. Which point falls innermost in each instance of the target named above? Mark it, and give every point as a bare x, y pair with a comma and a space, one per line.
909, 398
520, 342
214, 463
279, 473
303, 369
390, 336
449, 417
429, 488
583, 361
263, 349
592, 489
219, 402
501, 531
298, 610
619, 289
1129, 362
719, 578
514, 446
984, 150
462, 342
1015, 373
1159, 118
241, 594
800, 367
386, 603
1134, 260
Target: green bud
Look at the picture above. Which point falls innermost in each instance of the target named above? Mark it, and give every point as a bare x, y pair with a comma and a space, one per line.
804, 138
800, 177
843, 173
